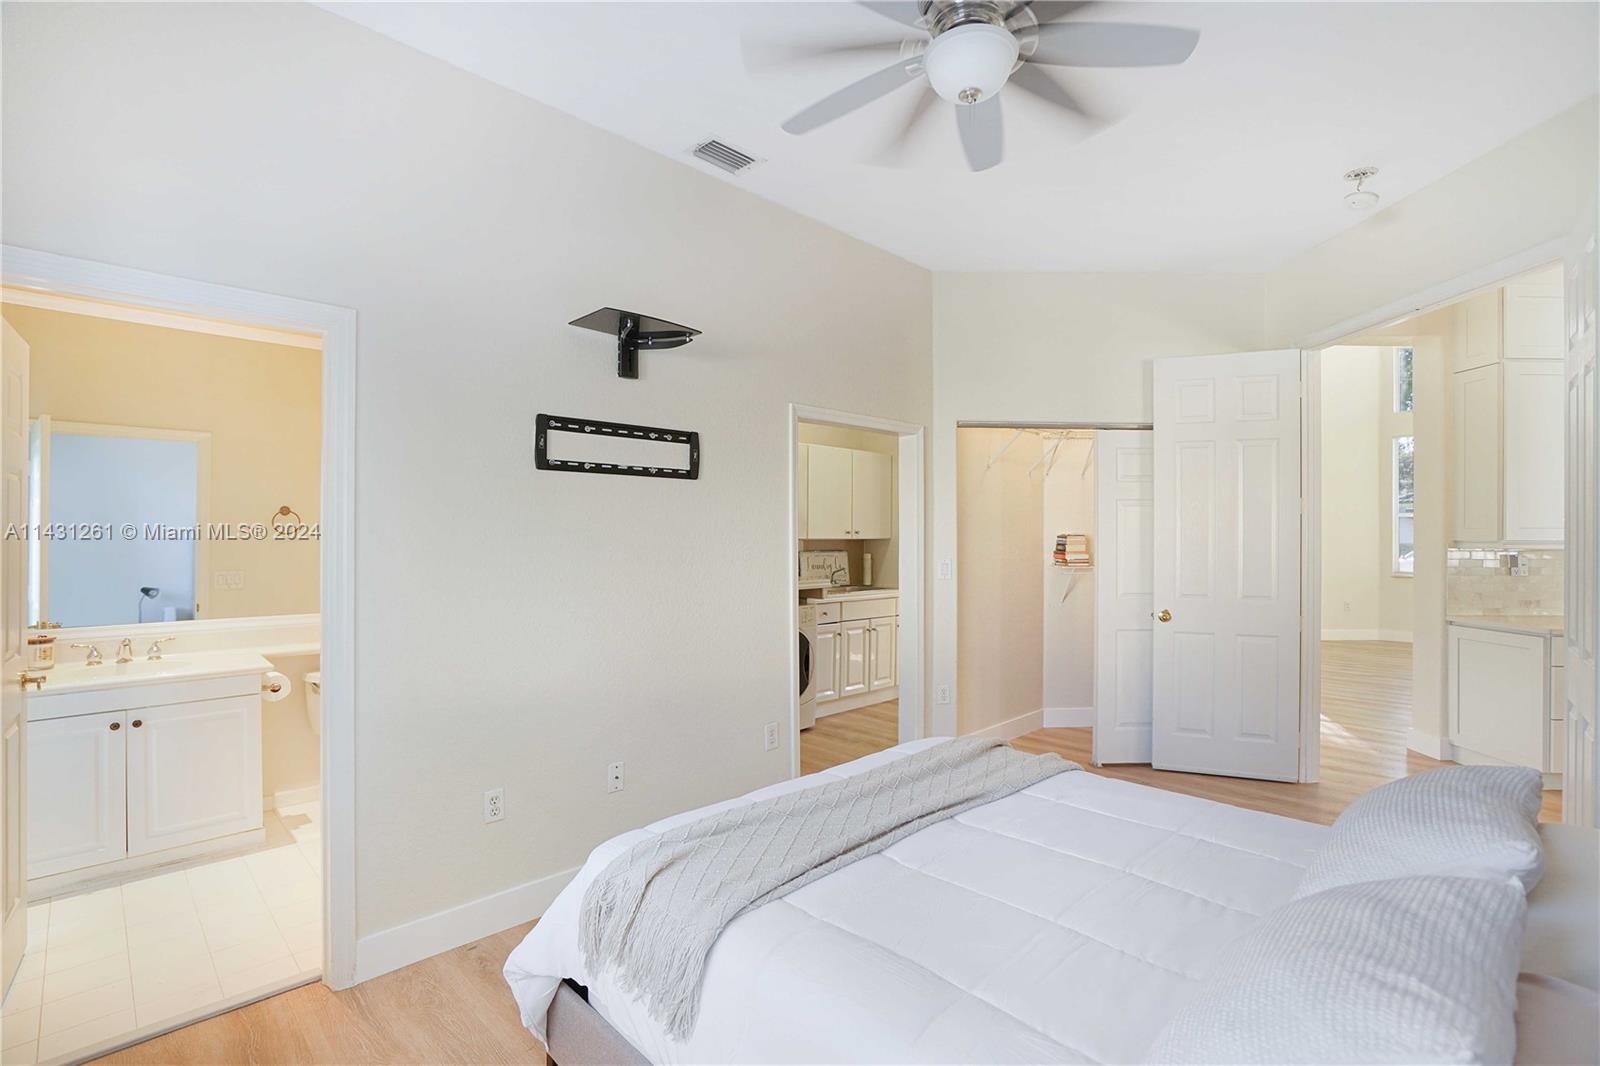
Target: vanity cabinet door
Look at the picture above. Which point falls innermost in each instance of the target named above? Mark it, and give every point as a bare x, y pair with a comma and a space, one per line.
853, 657
76, 800
194, 772
825, 666
882, 632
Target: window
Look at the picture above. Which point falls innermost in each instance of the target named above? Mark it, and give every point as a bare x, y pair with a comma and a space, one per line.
1404, 536
1402, 380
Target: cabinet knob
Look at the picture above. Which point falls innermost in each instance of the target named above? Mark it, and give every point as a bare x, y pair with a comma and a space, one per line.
115, 726
137, 722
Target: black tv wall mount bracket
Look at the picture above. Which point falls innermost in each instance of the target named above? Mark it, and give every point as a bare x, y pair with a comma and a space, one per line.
633, 332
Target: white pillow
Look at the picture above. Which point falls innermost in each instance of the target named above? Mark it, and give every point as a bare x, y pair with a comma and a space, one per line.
1459, 821
1415, 970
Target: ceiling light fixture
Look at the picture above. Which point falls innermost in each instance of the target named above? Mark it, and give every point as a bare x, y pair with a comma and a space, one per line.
968, 64
1361, 199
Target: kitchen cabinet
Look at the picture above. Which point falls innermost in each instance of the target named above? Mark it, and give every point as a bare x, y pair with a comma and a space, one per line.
825, 666
194, 772
856, 661
1502, 700
881, 659
848, 494
1480, 331
1531, 311
1475, 451
1556, 759
853, 656
1534, 391
76, 794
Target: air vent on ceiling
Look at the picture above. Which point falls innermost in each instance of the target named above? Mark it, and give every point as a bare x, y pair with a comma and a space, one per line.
724, 156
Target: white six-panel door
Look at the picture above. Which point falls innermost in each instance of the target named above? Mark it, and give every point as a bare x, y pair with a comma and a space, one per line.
1226, 644
1124, 549
1580, 801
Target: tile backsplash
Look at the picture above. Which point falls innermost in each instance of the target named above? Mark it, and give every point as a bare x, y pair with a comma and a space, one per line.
1480, 581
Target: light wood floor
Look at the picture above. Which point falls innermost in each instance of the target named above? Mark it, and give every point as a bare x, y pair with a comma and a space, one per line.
454, 1008
838, 738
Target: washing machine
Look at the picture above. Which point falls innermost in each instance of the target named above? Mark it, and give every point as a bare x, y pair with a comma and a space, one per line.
808, 679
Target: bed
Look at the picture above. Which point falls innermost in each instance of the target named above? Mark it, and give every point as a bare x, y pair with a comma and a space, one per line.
1064, 923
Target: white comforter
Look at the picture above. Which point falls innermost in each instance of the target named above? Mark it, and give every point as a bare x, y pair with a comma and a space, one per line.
1064, 923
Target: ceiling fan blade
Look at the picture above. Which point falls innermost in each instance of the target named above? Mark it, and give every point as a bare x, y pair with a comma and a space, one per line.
982, 132
893, 152
1037, 82
758, 57
1112, 44
905, 12
855, 95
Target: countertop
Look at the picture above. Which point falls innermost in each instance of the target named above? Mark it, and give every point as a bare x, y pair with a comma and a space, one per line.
860, 594
72, 677
1540, 625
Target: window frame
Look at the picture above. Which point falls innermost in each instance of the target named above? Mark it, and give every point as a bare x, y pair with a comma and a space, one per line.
1403, 387
1400, 565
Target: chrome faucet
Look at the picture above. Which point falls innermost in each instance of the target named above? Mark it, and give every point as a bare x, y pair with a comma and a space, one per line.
94, 658
125, 650
153, 653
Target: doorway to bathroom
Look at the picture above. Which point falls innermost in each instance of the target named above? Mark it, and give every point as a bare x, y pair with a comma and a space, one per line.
171, 536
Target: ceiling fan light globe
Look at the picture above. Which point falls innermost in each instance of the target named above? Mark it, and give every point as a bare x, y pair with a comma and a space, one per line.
968, 64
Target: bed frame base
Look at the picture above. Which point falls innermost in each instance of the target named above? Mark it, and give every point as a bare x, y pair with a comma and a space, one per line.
580, 1037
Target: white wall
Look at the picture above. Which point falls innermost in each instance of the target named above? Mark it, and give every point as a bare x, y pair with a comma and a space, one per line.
1352, 554
280, 148
1034, 348
1528, 191
1001, 577
1068, 639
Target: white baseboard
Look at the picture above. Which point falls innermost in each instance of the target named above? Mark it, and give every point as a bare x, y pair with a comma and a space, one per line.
289, 797
1351, 634
1431, 746
856, 702
1012, 728
1068, 717
1399, 636
422, 938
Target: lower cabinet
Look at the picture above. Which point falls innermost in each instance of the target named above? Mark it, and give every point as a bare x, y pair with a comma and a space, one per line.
77, 800
853, 654
1499, 703
194, 772
881, 653
120, 784
825, 668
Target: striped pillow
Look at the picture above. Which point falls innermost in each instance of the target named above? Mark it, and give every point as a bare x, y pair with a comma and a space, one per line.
1414, 970
1459, 821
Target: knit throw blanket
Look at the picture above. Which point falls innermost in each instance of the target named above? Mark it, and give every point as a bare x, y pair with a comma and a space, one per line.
654, 912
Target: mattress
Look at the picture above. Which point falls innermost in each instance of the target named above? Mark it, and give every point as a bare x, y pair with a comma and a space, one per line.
1064, 923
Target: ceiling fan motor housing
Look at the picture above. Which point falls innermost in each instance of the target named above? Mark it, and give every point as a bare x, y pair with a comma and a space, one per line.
969, 63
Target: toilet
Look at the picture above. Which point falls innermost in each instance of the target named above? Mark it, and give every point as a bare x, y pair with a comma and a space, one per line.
314, 701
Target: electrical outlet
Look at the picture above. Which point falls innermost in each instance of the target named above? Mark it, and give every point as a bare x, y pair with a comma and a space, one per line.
947, 569
1521, 569
769, 738
614, 777
941, 694
494, 804
232, 580
1346, 606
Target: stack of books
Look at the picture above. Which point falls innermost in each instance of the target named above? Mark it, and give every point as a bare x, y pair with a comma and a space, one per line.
1072, 549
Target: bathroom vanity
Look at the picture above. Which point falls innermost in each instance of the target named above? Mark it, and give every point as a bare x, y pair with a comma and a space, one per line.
135, 764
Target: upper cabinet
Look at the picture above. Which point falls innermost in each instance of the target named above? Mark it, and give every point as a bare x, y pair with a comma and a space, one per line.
1507, 395
1480, 331
846, 494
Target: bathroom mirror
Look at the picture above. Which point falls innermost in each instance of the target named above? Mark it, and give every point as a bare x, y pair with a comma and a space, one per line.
118, 514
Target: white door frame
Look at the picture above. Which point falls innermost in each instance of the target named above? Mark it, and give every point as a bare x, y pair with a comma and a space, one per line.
30, 269
911, 518
1429, 299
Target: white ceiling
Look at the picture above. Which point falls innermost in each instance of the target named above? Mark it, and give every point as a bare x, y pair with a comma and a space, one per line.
1230, 162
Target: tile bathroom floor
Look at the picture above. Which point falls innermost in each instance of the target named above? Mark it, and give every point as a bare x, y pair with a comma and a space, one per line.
112, 960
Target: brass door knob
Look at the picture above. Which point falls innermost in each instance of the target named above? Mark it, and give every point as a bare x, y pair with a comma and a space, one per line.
1165, 616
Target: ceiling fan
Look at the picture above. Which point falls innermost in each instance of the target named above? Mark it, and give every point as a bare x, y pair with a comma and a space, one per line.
966, 51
